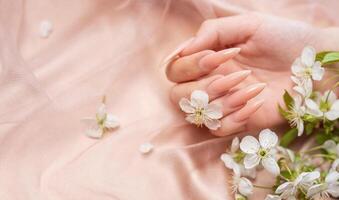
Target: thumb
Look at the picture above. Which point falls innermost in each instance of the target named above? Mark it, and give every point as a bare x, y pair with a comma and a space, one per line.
222, 33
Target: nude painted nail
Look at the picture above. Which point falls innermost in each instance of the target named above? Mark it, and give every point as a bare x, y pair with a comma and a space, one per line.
212, 61
177, 51
248, 110
243, 95
225, 83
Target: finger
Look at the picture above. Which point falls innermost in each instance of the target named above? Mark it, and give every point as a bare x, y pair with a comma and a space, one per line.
222, 32
239, 98
236, 122
215, 86
196, 65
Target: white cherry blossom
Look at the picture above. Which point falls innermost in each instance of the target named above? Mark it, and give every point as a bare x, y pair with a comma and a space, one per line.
296, 113
306, 67
327, 107
288, 190
262, 151
102, 122
303, 86
329, 188
241, 185
200, 112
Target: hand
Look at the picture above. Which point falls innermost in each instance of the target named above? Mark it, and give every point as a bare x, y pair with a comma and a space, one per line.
268, 45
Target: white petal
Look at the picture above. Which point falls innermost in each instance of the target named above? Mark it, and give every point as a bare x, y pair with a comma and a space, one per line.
252, 173
186, 106
111, 121
313, 108
101, 112
190, 118
199, 98
335, 105
333, 189
329, 96
272, 197
308, 56
228, 160
332, 115
332, 177
251, 161
249, 144
271, 165
330, 146
315, 189
212, 124
297, 67
146, 148
300, 127
214, 111
307, 177
94, 133
335, 165
268, 139
245, 187
317, 71
235, 144
284, 187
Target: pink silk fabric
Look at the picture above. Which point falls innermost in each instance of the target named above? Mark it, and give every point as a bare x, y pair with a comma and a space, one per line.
112, 48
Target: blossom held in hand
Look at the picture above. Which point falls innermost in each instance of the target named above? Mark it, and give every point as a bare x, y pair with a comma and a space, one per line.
199, 112
102, 122
306, 67
327, 107
261, 151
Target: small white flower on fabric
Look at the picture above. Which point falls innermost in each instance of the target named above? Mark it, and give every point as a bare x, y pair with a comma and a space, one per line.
330, 188
327, 107
200, 112
146, 148
272, 197
46, 28
303, 86
101, 123
288, 190
262, 151
242, 185
296, 113
306, 67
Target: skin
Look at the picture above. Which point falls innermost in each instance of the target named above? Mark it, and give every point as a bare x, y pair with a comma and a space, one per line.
268, 44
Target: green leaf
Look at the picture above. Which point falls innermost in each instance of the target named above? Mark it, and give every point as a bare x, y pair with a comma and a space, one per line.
283, 112
328, 57
289, 137
288, 100
309, 128
321, 137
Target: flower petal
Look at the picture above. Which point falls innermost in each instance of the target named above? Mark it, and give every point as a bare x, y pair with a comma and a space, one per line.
235, 144
333, 189
270, 164
272, 197
146, 147
190, 118
335, 105
313, 108
101, 112
330, 146
308, 56
315, 189
111, 121
332, 177
94, 133
268, 139
332, 115
284, 187
317, 71
186, 106
249, 145
228, 160
199, 98
212, 124
214, 111
300, 127
251, 161
329, 96
297, 67
307, 177
245, 187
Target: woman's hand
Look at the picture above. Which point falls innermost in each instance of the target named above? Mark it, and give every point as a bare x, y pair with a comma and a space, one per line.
234, 79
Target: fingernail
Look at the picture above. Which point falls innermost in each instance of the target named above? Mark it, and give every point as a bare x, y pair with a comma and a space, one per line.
212, 61
243, 95
225, 83
177, 51
249, 109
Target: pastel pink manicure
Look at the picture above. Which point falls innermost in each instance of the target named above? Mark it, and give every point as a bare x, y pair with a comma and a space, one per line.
225, 83
213, 60
245, 112
177, 51
243, 95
